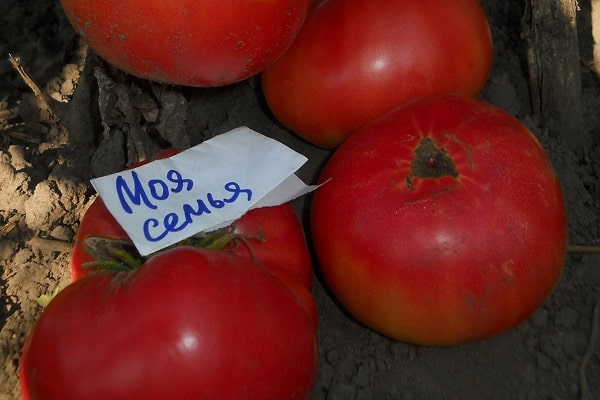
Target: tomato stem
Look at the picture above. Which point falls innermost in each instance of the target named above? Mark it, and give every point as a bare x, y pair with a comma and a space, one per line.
120, 255
430, 161
220, 238
215, 240
112, 254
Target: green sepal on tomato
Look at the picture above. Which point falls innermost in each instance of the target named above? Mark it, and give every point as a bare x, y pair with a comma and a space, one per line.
354, 60
442, 222
271, 236
190, 323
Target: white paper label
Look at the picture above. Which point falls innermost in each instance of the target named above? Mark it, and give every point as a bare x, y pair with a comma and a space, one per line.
201, 189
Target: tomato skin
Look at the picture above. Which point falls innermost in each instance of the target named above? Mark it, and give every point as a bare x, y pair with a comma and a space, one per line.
355, 60
199, 43
284, 248
97, 221
448, 259
189, 324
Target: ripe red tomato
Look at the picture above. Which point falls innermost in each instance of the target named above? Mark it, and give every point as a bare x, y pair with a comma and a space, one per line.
283, 247
188, 324
272, 236
443, 222
354, 60
197, 43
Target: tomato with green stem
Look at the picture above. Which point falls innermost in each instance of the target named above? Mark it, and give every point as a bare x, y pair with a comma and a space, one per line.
226, 314
272, 236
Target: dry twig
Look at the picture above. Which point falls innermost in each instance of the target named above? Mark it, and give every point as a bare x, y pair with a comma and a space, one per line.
573, 248
48, 102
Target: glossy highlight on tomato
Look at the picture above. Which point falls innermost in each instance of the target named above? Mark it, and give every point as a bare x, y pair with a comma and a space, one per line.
441, 223
188, 324
355, 60
197, 43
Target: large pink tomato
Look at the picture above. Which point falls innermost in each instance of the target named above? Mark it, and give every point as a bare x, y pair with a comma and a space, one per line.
194, 43
354, 60
441, 223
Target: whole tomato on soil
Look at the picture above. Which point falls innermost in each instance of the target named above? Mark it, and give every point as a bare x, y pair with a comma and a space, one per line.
442, 222
193, 43
354, 60
188, 324
271, 236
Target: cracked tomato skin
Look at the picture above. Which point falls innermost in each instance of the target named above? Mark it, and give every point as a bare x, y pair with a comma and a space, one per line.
441, 223
354, 60
193, 43
188, 324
